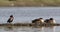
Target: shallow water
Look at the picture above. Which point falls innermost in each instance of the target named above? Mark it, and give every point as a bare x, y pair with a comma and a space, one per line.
26, 14
29, 29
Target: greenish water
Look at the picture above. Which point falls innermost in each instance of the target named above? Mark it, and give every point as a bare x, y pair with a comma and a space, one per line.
29, 29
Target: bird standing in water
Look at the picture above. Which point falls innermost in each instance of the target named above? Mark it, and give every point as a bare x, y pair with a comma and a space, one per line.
10, 19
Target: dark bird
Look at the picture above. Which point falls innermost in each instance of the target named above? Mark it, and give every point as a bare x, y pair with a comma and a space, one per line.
10, 19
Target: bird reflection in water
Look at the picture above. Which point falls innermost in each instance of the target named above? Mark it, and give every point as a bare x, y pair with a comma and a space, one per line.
49, 29
44, 29
8, 28
53, 28
38, 29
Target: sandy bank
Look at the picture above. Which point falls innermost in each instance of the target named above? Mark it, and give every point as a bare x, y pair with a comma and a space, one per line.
40, 3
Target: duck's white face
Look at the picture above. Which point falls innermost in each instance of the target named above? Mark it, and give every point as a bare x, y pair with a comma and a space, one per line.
54, 21
42, 20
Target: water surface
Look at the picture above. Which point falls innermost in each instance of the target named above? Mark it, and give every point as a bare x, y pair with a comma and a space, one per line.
29, 29
26, 14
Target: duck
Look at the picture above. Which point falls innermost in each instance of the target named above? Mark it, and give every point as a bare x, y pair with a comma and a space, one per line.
50, 21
